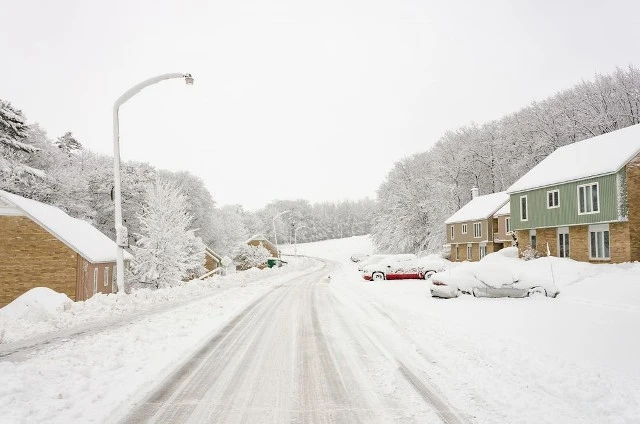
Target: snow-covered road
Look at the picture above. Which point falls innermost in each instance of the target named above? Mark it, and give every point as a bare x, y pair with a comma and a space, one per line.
294, 355
291, 345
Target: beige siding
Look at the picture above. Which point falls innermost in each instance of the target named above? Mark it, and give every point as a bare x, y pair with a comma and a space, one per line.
487, 232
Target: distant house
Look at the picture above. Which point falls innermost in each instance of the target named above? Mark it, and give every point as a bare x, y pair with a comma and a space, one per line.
260, 239
471, 230
40, 245
212, 261
583, 200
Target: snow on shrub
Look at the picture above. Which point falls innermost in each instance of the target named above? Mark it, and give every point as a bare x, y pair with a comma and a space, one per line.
252, 256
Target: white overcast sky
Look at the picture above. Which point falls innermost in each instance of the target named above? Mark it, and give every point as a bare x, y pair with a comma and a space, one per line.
293, 98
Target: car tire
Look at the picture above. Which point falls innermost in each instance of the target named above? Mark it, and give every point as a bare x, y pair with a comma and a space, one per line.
428, 274
377, 276
536, 291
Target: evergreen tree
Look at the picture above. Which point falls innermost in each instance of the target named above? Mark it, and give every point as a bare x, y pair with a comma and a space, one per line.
68, 143
13, 128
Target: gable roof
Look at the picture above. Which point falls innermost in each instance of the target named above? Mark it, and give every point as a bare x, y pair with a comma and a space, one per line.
601, 155
505, 210
79, 235
482, 207
210, 252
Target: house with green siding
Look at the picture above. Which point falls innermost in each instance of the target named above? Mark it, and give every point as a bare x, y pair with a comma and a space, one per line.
583, 200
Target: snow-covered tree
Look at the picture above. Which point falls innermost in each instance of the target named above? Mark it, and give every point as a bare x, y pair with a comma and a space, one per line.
13, 128
251, 256
68, 143
167, 249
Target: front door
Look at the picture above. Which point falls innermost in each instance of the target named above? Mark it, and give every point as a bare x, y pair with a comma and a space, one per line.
563, 243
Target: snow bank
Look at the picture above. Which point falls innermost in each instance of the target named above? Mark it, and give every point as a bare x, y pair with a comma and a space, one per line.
36, 305
45, 316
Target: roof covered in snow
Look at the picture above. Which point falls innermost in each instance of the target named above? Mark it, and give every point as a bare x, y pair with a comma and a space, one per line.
79, 235
482, 207
505, 210
604, 154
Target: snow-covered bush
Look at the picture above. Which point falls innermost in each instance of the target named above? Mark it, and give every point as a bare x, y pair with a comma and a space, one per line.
252, 256
167, 250
530, 253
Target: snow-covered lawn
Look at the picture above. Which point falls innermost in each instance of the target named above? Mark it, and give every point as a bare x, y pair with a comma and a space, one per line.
573, 359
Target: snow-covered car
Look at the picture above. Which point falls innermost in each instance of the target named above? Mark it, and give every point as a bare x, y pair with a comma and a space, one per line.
414, 269
374, 259
487, 279
357, 257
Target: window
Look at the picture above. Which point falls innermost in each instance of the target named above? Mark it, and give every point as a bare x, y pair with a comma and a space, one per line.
507, 225
483, 251
553, 199
464, 228
563, 242
469, 257
106, 276
588, 199
533, 239
95, 280
599, 242
524, 212
457, 252
451, 232
477, 230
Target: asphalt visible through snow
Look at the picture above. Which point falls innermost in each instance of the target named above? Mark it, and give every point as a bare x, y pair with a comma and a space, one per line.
296, 355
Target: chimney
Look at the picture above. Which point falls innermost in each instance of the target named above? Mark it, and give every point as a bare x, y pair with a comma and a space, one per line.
474, 192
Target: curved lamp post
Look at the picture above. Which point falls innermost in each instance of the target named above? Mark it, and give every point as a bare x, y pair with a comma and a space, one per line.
275, 233
122, 238
295, 239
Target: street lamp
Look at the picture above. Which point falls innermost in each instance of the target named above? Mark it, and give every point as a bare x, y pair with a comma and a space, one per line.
122, 238
275, 232
295, 239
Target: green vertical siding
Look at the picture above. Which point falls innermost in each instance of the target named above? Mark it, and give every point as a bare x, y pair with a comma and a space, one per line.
567, 213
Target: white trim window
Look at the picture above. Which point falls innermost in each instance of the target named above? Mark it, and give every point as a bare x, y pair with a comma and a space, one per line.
452, 232
464, 228
533, 239
469, 253
507, 225
588, 199
477, 229
599, 242
106, 276
524, 208
457, 252
553, 199
563, 242
483, 250
95, 280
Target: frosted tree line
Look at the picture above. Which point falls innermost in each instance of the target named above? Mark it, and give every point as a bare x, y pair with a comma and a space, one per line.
423, 190
63, 173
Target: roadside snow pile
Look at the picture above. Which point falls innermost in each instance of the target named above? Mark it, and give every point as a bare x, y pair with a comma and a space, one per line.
45, 311
36, 305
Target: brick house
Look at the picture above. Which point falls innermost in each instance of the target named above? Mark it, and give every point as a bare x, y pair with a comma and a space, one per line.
583, 200
471, 230
40, 245
260, 239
